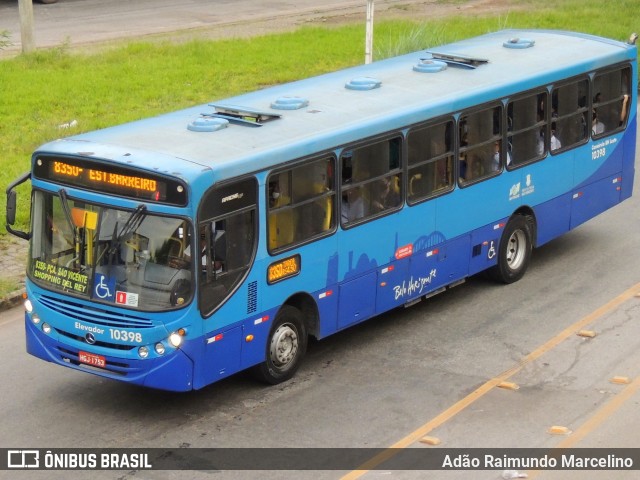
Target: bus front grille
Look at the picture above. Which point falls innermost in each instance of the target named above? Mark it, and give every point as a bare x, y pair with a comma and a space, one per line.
95, 315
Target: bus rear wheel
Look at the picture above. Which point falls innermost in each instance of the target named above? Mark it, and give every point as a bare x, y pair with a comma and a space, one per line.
514, 253
286, 347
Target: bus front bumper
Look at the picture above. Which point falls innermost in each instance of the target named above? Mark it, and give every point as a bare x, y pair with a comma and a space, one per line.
172, 372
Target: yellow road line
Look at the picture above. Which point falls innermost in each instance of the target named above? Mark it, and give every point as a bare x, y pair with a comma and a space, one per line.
490, 384
602, 414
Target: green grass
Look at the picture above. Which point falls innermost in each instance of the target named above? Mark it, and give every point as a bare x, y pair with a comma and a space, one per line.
8, 286
40, 91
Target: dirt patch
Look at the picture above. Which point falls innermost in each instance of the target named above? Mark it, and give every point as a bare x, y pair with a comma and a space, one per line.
349, 13
94, 25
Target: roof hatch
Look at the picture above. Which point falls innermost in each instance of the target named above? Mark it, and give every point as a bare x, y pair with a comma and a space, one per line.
242, 115
459, 60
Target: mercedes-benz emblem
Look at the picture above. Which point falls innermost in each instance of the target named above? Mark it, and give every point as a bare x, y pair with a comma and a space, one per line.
90, 338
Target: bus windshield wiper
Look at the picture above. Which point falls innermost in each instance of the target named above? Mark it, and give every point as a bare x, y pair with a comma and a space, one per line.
132, 223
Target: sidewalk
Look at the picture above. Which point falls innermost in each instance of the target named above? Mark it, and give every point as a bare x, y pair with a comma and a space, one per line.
13, 259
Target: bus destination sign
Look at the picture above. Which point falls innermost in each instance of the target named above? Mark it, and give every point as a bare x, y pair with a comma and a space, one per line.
89, 174
285, 268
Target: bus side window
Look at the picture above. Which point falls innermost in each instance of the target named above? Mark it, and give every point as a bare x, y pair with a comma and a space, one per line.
430, 159
280, 217
610, 101
301, 203
481, 151
371, 180
527, 129
226, 249
569, 114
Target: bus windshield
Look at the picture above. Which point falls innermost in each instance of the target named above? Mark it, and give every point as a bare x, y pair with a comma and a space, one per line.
130, 258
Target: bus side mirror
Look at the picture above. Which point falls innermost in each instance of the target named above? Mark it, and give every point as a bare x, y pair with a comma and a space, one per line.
12, 200
11, 207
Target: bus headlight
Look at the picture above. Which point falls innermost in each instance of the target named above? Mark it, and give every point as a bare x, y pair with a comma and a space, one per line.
35, 319
160, 348
28, 306
175, 339
46, 328
143, 352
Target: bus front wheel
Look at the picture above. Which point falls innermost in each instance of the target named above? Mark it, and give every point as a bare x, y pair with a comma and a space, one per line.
514, 252
286, 346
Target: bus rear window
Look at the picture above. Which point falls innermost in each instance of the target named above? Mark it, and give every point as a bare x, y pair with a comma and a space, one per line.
611, 101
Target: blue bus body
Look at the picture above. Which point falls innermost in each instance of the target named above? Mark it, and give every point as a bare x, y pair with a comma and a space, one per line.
344, 273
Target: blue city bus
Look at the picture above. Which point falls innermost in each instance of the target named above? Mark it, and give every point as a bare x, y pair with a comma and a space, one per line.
174, 251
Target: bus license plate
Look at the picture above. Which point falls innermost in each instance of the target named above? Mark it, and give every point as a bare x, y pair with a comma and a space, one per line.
91, 359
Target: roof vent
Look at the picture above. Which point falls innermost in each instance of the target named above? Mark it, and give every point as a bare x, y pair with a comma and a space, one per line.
290, 103
207, 124
519, 43
363, 83
427, 65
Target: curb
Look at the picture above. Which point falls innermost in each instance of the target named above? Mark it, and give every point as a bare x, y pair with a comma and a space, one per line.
12, 300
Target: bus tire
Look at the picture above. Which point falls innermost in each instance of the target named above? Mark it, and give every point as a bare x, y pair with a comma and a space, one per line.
514, 253
286, 346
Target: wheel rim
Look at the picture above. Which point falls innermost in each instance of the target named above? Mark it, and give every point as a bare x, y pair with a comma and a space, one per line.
516, 249
284, 346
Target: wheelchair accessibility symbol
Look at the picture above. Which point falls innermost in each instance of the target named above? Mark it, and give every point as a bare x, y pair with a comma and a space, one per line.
104, 287
492, 250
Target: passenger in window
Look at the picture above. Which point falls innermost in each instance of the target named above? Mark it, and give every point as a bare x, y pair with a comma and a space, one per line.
385, 195
625, 109
555, 143
597, 127
471, 167
540, 145
495, 165
274, 194
352, 204
462, 160
311, 220
218, 250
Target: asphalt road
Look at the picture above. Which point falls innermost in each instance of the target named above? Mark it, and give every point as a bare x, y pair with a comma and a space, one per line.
429, 371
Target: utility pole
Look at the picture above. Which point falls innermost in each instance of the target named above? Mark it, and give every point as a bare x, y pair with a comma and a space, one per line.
368, 49
26, 25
